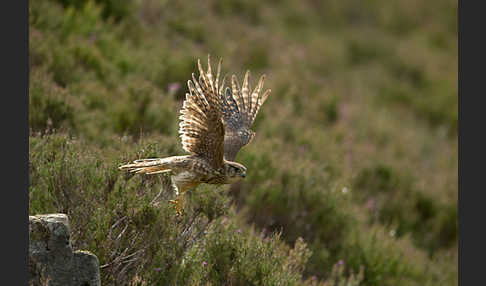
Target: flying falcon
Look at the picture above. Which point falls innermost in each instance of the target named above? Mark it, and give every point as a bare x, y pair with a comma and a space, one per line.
214, 126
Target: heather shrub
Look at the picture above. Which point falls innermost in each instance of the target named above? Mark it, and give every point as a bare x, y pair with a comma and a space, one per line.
49, 105
352, 174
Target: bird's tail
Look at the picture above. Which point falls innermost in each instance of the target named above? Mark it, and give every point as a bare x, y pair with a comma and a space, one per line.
147, 166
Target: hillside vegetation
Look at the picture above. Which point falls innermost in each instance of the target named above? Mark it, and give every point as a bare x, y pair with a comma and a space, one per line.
352, 175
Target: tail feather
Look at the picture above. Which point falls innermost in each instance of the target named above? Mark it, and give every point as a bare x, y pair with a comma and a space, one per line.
147, 166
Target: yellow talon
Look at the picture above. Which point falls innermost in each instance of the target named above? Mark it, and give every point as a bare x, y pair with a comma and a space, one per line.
177, 207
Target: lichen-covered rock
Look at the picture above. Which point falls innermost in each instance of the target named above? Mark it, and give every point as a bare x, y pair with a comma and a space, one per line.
51, 258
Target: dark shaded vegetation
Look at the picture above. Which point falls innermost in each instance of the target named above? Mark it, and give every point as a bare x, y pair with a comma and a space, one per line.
352, 175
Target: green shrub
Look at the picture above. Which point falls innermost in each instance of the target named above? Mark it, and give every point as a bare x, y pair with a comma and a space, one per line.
385, 260
397, 204
247, 10
350, 155
49, 105
116, 9
232, 256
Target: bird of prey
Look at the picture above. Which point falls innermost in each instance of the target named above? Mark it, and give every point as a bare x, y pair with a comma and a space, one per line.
214, 125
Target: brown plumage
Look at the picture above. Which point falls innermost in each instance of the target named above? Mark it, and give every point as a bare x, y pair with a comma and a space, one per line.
214, 126
239, 108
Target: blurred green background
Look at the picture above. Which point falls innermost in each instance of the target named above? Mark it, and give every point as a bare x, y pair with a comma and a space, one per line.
352, 176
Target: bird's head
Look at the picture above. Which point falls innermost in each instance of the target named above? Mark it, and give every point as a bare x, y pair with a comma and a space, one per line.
234, 171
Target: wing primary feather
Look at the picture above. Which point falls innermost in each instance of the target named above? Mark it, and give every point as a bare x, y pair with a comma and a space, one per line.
232, 104
254, 98
223, 97
265, 95
200, 93
236, 91
210, 75
201, 72
216, 81
260, 102
195, 97
245, 92
222, 85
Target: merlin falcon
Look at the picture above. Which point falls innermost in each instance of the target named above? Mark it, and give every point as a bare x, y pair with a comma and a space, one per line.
214, 125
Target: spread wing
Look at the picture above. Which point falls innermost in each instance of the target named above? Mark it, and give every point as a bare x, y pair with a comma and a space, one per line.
239, 109
201, 128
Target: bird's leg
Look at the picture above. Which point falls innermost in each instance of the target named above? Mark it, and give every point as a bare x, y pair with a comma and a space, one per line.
178, 204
